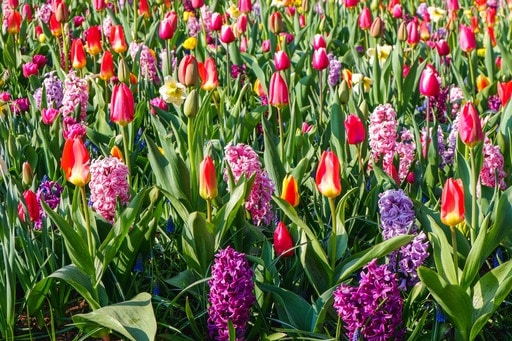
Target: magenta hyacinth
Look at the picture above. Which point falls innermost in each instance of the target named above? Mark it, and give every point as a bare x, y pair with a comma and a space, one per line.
231, 294
108, 184
373, 309
493, 166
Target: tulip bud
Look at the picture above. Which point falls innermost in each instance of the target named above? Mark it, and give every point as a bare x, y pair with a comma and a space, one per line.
123, 73
354, 127
429, 84
290, 191
122, 105
62, 13
283, 242
377, 28
470, 128
344, 92
276, 23
191, 106
26, 174
278, 91
154, 194
402, 32
188, 73
327, 177
33, 207
207, 179
452, 202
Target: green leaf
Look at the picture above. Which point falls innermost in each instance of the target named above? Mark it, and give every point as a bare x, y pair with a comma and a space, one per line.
271, 158
501, 228
318, 271
443, 255
198, 234
133, 319
452, 298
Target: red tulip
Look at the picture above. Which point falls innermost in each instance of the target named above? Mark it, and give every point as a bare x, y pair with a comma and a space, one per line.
281, 61
33, 207
144, 8
244, 6
467, 40
207, 179
75, 162
429, 84
320, 59
188, 74
208, 74
355, 129
390, 169
107, 66
504, 92
226, 34
328, 180
122, 106
470, 128
93, 40
55, 26
452, 202
99, 5
13, 22
443, 48
168, 26
26, 12
283, 242
413, 33
365, 19
278, 91
290, 190
78, 58
117, 39
351, 3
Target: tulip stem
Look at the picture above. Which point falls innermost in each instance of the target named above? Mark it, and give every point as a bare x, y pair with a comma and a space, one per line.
321, 97
474, 228
334, 233
87, 223
281, 135
135, 20
427, 133
64, 49
471, 73
191, 151
209, 210
124, 133
359, 158
455, 252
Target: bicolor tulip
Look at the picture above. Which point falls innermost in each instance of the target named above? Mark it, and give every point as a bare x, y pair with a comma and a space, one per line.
117, 39
365, 19
467, 40
107, 66
276, 23
290, 191
470, 127
319, 42
216, 22
481, 82
227, 35
208, 74
93, 40
55, 26
504, 92
320, 59
452, 202
188, 73
429, 84
78, 59
283, 242
27, 175
168, 26
354, 127
62, 12
75, 162
281, 61
122, 105
33, 207
14, 22
327, 178
207, 179
144, 9
278, 91
116, 152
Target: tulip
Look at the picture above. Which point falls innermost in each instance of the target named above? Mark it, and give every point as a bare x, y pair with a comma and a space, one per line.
122, 106
207, 179
243, 44
49, 115
276, 23
227, 35
278, 91
390, 169
442, 47
197, 3
320, 59
356, 133
33, 206
116, 152
481, 82
467, 40
93, 40
283, 242
328, 180
244, 6
188, 73
55, 26
351, 3
302, 21
413, 34
429, 84
29, 69
26, 12
319, 42
216, 21
13, 22
397, 11
281, 61
26, 174
117, 39
107, 66
144, 9
452, 5
208, 74
265, 45
78, 58
365, 19
452, 202
75, 162
241, 24
168, 26
377, 27
290, 190
99, 5
504, 92
470, 128
62, 12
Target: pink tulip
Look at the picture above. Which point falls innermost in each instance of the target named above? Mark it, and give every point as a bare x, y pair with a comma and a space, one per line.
281, 61
278, 91
429, 84
365, 19
467, 40
320, 59
319, 41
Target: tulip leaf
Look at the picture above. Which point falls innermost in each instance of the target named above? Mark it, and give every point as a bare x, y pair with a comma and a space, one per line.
133, 319
452, 298
198, 236
442, 252
318, 271
274, 166
501, 228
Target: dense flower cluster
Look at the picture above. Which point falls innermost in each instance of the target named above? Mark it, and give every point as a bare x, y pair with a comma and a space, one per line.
76, 95
397, 218
334, 70
492, 167
243, 160
147, 61
49, 192
405, 149
108, 183
382, 133
374, 308
52, 86
231, 294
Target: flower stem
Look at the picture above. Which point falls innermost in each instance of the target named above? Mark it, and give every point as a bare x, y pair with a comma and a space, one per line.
209, 210
281, 135
334, 233
455, 253
135, 20
87, 223
427, 133
320, 89
191, 151
124, 132
474, 176
471, 73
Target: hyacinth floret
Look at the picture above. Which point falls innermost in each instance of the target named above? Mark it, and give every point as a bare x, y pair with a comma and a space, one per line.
334, 70
243, 160
492, 167
406, 150
231, 294
108, 184
374, 308
147, 60
76, 95
382, 133
52, 86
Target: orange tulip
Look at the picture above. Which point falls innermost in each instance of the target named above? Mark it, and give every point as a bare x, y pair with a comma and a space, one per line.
208, 74
78, 58
452, 202
55, 26
75, 162
117, 39
207, 179
14, 22
107, 66
328, 175
290, 190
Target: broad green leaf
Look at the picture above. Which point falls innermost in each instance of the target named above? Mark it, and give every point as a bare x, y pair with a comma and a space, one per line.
443, 253
318, 272
133, 319
273, 164
501, 228
198, 234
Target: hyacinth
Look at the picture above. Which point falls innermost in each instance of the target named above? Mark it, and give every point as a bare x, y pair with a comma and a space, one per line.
72, 129
107, 26
238, 70
382, 133
494, 103
374, 308
334, 70
243, 160
147, 60
108, 183
492, 166
397, 218
406, 150
194, 26
231, 294
49, 192
44, 12
54, 92
206, 18
76, 95
438, 103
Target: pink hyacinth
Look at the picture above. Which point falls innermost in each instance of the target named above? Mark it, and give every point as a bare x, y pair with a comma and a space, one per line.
492, 166
147, 61
76, 95
382, 133
406, 150
243, 160
108, 183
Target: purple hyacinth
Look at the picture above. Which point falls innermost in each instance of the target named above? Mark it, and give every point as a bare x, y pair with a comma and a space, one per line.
334, 70
397, 218
374, 308
231, 294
